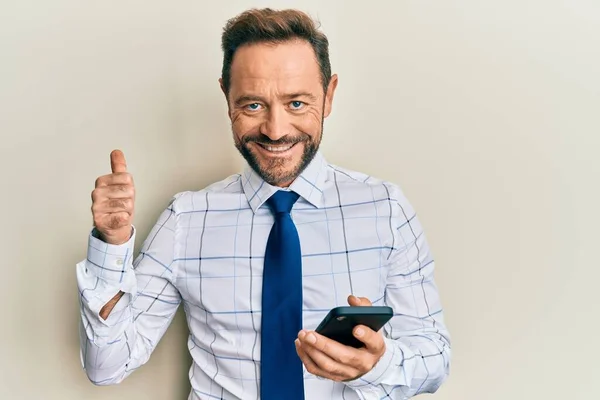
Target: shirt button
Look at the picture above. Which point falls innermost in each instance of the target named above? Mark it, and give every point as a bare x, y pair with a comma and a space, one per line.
119, 261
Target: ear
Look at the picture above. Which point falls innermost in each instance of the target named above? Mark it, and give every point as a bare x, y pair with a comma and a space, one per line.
329, 95
225, 93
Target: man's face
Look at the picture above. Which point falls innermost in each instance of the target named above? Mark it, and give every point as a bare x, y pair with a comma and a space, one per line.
277, 106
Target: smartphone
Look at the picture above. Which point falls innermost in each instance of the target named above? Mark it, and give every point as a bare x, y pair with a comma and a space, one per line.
340, 321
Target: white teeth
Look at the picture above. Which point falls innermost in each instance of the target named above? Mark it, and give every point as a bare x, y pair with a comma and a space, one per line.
278, 149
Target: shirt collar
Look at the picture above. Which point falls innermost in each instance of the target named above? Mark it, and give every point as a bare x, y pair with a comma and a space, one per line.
309, 185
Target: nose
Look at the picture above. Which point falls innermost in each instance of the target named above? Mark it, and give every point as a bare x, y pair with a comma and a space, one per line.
277, 123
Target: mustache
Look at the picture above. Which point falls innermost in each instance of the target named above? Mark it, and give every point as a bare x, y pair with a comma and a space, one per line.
266, 141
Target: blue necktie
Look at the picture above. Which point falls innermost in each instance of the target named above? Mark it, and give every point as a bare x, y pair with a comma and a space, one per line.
281, 374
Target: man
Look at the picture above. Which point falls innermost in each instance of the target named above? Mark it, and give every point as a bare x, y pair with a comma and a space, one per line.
259, 258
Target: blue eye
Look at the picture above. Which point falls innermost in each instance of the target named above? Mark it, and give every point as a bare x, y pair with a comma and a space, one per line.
297, 105
253, 106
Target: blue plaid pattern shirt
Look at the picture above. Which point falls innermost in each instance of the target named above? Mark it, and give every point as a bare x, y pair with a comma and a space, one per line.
359, 235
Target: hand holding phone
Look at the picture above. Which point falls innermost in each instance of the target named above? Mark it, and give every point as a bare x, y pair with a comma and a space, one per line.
339, 323
333, 351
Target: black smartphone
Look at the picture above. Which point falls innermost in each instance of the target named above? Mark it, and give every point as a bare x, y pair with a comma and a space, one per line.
340, 321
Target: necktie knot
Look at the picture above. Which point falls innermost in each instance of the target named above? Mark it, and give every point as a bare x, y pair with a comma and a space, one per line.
282, 201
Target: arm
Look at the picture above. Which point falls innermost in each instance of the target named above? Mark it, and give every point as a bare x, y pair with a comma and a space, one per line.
122, 339
413, 355
417, 355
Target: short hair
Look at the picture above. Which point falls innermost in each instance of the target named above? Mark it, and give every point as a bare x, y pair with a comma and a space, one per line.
273, 26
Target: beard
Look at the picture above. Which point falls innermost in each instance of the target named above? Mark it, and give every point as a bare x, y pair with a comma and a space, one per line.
277, 171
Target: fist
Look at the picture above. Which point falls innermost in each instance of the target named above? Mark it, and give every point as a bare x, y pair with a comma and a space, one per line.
112, 202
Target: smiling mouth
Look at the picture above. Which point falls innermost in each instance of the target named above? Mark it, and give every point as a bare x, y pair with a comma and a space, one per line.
276, 149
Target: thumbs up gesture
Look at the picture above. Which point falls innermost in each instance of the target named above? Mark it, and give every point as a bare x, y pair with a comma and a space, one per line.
113, 202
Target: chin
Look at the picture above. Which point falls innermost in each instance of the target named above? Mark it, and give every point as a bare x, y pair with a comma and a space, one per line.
279, 174
278, 170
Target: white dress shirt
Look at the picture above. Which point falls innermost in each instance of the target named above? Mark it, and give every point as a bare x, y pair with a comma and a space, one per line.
358, 235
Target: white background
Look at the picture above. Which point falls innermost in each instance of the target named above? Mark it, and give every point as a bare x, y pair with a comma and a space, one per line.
487, 113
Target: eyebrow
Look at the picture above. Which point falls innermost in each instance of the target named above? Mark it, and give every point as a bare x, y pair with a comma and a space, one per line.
249, 98
310, 96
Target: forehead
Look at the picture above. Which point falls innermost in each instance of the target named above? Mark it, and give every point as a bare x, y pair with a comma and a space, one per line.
290, 65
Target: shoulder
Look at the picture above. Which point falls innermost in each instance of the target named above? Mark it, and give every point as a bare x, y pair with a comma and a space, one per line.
349, 179
365, 187
213, 194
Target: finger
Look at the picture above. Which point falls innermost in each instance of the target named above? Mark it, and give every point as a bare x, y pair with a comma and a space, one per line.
329, 355
330, 347
104, 193
112, 206
306, 360
120, 178
309, 364
328, 365
118, 191
116, 220
373, 341
117, 161
359, 301
335, 350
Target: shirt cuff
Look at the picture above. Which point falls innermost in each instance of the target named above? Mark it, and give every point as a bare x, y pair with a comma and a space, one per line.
107, 270
390, 360
109, 262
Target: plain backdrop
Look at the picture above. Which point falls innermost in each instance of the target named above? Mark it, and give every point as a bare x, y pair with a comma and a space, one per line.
487, 113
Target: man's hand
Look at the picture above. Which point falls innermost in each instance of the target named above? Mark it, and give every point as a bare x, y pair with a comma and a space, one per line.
113, 202
332, 360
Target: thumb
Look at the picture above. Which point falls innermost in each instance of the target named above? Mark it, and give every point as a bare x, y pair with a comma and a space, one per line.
359, 301
372, 340
117, 162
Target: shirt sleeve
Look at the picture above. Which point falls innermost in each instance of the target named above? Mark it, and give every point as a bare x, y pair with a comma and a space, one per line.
417, 356
112, 349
